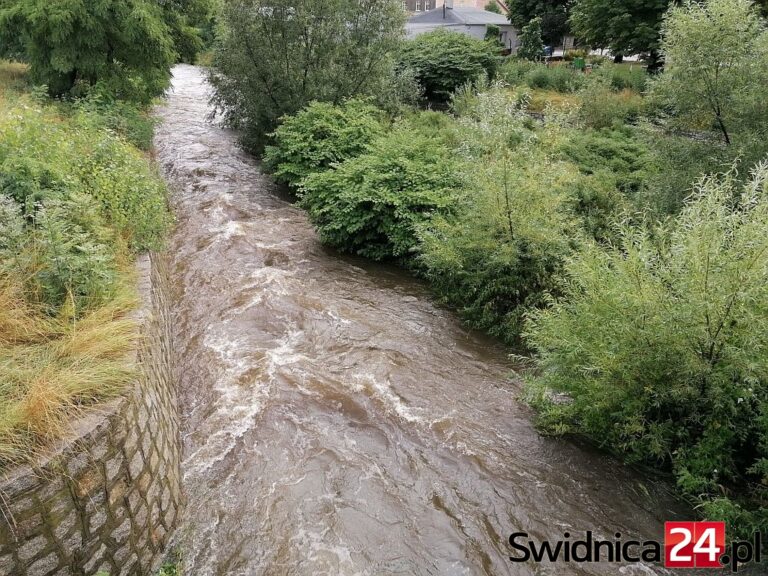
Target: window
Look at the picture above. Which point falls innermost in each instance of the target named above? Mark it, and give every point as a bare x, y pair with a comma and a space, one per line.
418, 5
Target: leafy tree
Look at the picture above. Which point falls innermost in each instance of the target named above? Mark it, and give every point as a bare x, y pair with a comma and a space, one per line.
187, 20
499, 250
623, 26
442, 61
276, 56
320, 136
123, 44
531, 45
716, 66
553, 14
662, 345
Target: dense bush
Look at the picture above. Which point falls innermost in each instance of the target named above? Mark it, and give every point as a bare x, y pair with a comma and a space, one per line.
80, 195
531, 43
372, 204
716, 69
442, 61
561, 78
662, 344
616, 151
602, 107
499, 251
75, 198
319, 136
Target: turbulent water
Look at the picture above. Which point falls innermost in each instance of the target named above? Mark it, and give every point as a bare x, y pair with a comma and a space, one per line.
336, 421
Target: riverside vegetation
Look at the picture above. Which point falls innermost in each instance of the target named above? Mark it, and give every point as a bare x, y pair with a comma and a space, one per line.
622, 240
79, 198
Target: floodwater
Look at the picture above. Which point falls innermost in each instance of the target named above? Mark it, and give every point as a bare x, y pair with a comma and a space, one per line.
335, 421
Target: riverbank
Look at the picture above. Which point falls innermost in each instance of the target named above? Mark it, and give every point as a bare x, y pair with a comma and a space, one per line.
335, 420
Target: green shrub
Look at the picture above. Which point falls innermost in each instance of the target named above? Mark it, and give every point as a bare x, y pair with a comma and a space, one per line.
125, 45
443, 61
320, 136
557, 78
371, 205
662, 344
602, 107
501, 250
272, 58
625, 77
514, 71
617, 151
43, 157
130, 121
531, 44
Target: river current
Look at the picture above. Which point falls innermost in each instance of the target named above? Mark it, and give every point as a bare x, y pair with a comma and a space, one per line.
335, 420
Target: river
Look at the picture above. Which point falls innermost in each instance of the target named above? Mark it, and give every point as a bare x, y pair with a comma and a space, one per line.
335, 420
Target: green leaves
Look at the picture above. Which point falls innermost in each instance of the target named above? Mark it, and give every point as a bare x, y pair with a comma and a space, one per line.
373, 204
320, 136
71, 45
662, 342
442, 61
275, 57
716, 69
75, 197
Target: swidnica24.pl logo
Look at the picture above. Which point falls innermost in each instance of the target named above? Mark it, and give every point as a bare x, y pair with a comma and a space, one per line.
686, 545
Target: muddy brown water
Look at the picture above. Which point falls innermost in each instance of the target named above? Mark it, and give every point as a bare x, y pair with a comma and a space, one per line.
335, 421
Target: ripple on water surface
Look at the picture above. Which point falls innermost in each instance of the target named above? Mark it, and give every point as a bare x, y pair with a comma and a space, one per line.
337, 422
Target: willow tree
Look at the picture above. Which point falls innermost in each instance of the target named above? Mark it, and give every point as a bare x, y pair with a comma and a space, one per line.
276, 56
716, 66
124, 44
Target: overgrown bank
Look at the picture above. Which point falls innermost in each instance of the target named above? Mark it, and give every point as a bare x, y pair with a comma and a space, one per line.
621, 239
77, 201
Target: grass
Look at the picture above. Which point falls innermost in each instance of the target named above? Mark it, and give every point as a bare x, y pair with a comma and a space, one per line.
541, 99
52, 368
13, 77
60, 359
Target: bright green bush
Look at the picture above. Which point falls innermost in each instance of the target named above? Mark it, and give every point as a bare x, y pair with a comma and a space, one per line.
531, 44
602, 107
513, 71
443, 61
616, 151
274, 57
558, 78
662, 344
42, 157
75, 197
716, 67
372, 204
499, 251
320, 136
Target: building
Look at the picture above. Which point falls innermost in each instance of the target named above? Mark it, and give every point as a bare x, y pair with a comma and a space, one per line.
470, 21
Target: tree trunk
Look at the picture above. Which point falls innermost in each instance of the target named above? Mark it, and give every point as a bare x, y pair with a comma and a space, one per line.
655, 62
723, 130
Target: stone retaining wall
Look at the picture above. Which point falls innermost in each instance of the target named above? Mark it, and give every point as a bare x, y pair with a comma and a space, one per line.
108, 499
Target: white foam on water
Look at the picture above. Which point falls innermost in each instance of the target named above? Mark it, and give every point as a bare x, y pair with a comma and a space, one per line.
235, 407
327, 558
384, 392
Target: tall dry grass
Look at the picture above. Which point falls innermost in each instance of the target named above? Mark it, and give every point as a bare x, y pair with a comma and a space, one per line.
52, 368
